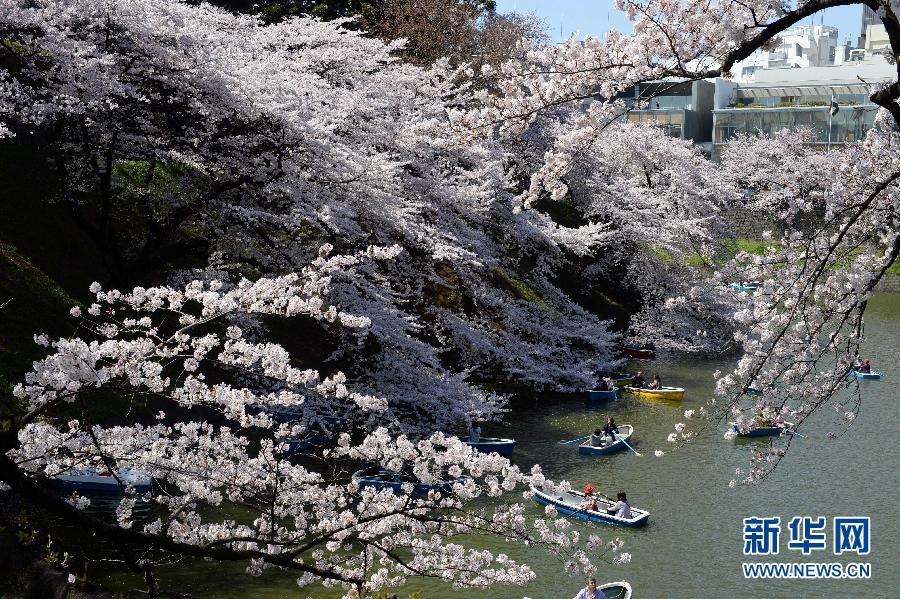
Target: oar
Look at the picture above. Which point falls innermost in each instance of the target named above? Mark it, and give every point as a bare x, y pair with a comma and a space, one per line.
581, 438
787, 428
622, 439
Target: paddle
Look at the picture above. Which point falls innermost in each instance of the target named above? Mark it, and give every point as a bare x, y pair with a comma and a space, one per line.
576, 439
786, 427
622, 439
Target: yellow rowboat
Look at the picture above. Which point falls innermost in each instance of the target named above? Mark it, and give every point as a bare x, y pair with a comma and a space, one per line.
671, 393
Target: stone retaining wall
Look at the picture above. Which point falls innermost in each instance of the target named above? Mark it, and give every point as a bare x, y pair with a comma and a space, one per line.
889, 284
751, 223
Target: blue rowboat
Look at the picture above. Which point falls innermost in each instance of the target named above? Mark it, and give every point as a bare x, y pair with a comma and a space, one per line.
310, 442
89, 481
315, 437
380, 478
874, 376
759, 431
597, 395
746, 287
503, 447
569, 504
616, 590
290, 414
625, 432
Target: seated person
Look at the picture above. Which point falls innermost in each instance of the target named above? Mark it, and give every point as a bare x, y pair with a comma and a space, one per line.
657, 382
759, 420
621, 508
865, 367
638, 380
606, 384
597, 438
590, 590
779, 420
589, 502
610, 429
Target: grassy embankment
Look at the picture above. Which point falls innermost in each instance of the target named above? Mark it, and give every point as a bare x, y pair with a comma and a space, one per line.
752, 246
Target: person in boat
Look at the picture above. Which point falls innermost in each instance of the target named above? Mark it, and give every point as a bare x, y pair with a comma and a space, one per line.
760, 419
621, 508
590, 590
638, 380
779, 421
865, 367
657, 382
606, 384
475, 434
597, 438
610, 429
589, 502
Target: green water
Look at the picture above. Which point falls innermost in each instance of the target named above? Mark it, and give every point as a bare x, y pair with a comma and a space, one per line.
692, 546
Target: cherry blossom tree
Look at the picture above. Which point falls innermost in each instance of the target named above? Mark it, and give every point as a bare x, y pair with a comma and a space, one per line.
178, 129
181, 349
403, 213
188, 119
801, 331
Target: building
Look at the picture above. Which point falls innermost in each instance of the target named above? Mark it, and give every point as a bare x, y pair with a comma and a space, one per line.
873, 38
869, 18
794, 98
683, 109
801, 47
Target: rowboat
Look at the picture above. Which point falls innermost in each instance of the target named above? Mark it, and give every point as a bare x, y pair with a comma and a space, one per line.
625, 432
90, 481
866, 375
746, 287
616, 590
503, 447
569, 504
598, 395
636, 352
290, 415
380, 478
671, 393
309, 442
759, 431
316, 436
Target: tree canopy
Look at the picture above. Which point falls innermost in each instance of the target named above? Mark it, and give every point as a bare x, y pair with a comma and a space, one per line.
288, 217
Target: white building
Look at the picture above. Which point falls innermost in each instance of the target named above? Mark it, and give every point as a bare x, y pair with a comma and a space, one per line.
801, 47
874, 45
